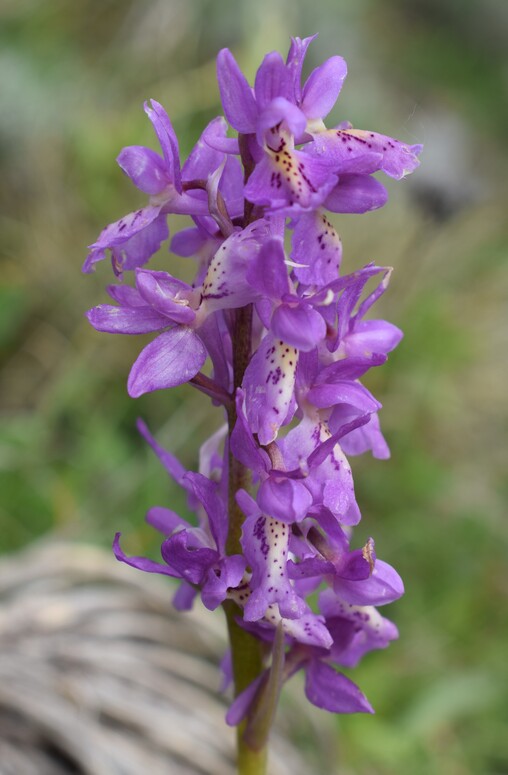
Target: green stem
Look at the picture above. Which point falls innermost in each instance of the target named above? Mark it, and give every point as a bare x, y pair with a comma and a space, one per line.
246, 650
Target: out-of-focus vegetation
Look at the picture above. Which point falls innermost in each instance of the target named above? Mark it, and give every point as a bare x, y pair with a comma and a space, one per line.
74, 76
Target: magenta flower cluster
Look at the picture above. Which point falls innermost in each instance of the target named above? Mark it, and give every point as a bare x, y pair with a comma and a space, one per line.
298, 409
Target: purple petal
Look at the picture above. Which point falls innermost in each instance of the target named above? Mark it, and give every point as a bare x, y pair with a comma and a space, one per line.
172, 465
126, 296
171, 359
184, 597
356, 194
242, 703
141, 563
126, 320
188, 242
190, 563
287, 500
268, 273
243, 446
140, 248
360, 440
372, 337
145, 168
346, 392
204, 159
300, 326
278, 111
272, 80
120, 232
165, 520
167, 139
167, 295
236, 95
332, 691
206, 492
294, 63
323, 87
382, 587
317, 245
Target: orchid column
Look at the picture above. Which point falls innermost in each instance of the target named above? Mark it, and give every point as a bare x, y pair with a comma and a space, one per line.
278, 340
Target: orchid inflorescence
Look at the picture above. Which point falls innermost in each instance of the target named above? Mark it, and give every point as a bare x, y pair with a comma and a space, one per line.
284, 338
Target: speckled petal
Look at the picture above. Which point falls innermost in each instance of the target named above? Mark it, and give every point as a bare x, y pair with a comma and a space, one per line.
265, 545
268, 384
317, 246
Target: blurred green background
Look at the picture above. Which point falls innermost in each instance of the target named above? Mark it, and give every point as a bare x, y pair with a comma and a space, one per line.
73, 79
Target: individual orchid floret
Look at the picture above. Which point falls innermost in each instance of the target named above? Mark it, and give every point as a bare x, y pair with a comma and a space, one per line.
290, 317
136, 237
265, 544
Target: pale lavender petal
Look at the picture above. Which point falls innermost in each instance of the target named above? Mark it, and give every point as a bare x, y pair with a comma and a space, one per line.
322, 87
268, 384
225, 284
300, 326
171, 359
265, 545
397, 159
309, 629
236, 95
145, 168
126, 320
317, 246
356, 194
332, 691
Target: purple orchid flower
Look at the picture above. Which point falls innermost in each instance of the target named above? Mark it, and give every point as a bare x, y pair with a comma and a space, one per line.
279, 342
136, 237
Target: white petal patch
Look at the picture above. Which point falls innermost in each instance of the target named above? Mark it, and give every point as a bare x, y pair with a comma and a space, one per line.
269, 385
266, 546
